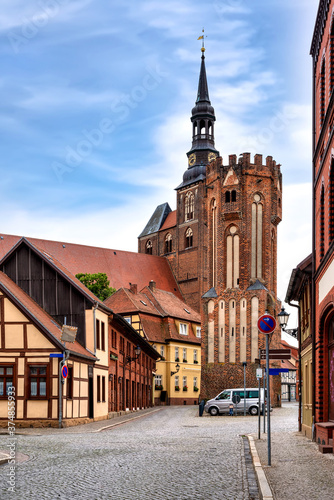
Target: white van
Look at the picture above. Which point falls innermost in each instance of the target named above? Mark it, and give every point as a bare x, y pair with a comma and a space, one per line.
222, 402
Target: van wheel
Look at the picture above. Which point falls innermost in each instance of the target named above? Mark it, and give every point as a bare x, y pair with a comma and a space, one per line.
214, 411
253, 410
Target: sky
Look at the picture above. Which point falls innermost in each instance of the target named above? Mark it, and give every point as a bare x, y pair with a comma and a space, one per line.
96, 104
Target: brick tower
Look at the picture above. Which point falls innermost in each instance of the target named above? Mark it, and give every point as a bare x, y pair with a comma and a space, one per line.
221, 242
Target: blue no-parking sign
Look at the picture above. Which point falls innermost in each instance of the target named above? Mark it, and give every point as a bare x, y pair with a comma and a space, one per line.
266, 323
64, 371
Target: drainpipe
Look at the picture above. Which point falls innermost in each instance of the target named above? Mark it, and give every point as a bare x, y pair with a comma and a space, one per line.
94, 321
299, 369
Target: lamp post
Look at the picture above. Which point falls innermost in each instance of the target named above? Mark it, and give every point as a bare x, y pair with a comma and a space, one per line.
283, 318
129, 359
177, 369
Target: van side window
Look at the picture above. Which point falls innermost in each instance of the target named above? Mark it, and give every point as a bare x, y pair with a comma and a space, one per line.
239, 393
253, 394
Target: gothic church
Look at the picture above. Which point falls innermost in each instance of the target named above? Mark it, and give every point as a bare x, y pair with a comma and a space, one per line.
221, 243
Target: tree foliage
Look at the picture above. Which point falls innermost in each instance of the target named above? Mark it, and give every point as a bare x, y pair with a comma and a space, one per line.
97, 283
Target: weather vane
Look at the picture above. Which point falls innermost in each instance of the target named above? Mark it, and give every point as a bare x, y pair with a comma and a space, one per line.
202, 37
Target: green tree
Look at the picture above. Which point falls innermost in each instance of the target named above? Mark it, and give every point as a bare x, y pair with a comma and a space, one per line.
97, 283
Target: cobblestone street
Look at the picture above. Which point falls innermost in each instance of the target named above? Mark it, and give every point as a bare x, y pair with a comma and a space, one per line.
166, 454
169, 454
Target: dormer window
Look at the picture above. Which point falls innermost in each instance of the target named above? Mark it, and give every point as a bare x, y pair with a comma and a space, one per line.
183, 329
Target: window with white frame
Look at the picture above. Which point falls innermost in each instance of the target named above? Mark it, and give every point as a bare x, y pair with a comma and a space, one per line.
158, 382
177, 354
183, 329
184, 355
184, 382
198, 332
177, 381
195, 382
195, 356
162, 351
128, 319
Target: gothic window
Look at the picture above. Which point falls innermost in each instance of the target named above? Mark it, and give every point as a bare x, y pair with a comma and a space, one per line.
227, 197
189, 206
331, 60
214, 240
322, 92
189, 238
148, 247
257, 236
232, 258
168, 243
322, 223
331, 203
234, 196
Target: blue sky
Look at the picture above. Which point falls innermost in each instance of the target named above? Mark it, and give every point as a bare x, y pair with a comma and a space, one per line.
96, 101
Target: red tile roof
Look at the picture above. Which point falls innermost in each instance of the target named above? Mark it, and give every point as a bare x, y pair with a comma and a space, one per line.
121, 267
170, 221
39, 317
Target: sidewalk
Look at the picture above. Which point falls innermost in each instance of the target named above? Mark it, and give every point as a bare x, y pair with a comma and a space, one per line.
298, 470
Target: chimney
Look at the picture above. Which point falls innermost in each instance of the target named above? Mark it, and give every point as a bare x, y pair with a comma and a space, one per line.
133, 288
152, 285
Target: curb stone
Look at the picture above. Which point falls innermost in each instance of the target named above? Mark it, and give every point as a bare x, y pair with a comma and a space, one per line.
264, 488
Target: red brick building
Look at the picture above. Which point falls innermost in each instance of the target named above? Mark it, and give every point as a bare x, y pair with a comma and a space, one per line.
221, 242
322, 51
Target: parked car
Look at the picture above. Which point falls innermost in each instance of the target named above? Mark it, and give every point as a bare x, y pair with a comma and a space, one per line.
222, 402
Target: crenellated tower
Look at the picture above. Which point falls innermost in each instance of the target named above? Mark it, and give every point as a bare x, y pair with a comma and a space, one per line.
221, 242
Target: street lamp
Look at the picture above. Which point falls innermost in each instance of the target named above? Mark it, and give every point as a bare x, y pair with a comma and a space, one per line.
283, 318
137, 354
177, 369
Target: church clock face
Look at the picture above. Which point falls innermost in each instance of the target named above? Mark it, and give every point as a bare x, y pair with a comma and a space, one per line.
212, 156
192, 159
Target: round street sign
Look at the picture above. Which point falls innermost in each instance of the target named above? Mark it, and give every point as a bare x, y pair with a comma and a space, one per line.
266, 323
64, 371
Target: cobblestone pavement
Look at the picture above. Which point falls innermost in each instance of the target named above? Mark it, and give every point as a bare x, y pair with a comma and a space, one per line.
171, 454
298, 470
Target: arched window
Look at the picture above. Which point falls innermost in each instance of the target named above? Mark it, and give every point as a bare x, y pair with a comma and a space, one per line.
322, 100
257, 237
148, 247
234, 195
227, 197
232, 258
322, 223
213, 206
331, 204
168, 243
189, 206
331, 60
189, 238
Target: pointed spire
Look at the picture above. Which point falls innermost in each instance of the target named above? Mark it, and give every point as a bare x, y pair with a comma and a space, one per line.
203, 92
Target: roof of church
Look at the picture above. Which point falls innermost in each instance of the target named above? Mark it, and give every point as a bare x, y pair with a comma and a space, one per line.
121, 267
210, 294
156, 221
39, 317
170, 221
257, 286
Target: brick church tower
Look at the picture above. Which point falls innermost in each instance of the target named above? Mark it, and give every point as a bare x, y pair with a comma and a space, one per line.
221, 242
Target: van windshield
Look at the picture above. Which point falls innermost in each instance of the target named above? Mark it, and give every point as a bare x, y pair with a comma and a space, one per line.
224, 395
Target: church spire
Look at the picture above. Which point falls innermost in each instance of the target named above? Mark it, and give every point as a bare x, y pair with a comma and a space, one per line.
203, 92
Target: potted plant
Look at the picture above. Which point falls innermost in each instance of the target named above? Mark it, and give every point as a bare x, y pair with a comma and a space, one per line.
196, 389
158, 387
185, 388
177, 388
177, 360
195, 361
184, 360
